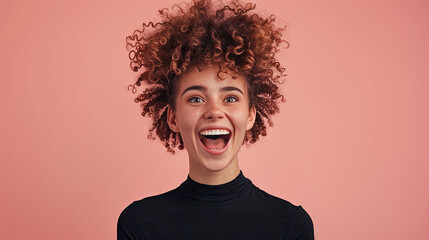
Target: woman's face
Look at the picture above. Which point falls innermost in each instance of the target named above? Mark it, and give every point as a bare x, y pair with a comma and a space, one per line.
212, 116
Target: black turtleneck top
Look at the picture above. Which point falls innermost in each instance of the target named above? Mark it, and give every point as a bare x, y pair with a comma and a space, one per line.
234, 210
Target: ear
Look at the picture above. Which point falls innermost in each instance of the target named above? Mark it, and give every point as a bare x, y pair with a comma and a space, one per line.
172, 120
251, 118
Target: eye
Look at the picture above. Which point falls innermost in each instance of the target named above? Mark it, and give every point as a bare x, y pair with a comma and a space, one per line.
231, 99
195, 100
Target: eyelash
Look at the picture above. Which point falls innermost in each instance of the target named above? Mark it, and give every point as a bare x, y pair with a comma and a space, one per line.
232, 97
194, 99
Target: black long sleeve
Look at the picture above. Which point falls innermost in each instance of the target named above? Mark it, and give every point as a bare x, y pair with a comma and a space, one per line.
234, 210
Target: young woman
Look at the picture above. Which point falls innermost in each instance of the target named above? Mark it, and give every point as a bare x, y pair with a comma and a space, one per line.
211, 85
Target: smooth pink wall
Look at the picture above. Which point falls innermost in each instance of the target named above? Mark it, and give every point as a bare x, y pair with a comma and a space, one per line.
350, 145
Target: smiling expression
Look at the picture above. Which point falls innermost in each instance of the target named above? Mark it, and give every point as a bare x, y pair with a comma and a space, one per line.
212, 116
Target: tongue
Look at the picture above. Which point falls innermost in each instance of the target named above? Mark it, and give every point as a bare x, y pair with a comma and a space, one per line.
218, 143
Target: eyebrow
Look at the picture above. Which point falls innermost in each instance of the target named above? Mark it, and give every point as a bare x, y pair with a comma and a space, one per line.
223, 89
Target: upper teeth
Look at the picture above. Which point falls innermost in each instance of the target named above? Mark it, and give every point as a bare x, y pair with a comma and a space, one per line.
215, 132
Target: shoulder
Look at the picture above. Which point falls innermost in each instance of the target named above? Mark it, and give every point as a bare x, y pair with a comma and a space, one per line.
302, 226
299, 221
128, 225
276, 202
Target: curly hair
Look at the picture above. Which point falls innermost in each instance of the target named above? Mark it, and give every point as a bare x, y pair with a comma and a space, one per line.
196, 35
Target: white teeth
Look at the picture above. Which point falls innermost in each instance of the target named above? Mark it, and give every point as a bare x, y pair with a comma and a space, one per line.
214, 132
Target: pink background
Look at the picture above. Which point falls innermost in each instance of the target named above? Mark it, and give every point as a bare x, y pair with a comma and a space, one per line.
350, 145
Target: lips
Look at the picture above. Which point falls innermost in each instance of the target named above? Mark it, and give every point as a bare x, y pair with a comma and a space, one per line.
215, 140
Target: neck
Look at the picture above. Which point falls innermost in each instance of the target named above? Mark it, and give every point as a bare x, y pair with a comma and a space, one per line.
214, 177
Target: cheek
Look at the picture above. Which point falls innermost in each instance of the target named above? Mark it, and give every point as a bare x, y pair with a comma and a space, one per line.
186, 120
239, 118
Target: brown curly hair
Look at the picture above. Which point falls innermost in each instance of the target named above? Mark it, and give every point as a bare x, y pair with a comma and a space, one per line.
196, 35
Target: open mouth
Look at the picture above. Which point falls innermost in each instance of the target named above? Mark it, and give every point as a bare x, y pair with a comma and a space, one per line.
215, 139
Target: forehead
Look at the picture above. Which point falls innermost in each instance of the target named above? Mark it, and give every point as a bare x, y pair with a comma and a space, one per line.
209, 78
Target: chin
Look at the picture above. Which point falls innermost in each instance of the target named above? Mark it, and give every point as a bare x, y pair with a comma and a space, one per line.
216, 164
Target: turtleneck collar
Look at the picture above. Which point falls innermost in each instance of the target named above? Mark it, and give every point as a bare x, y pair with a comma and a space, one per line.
216, 193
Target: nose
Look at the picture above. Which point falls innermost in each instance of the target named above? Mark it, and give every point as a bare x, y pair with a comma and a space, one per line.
213, 111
